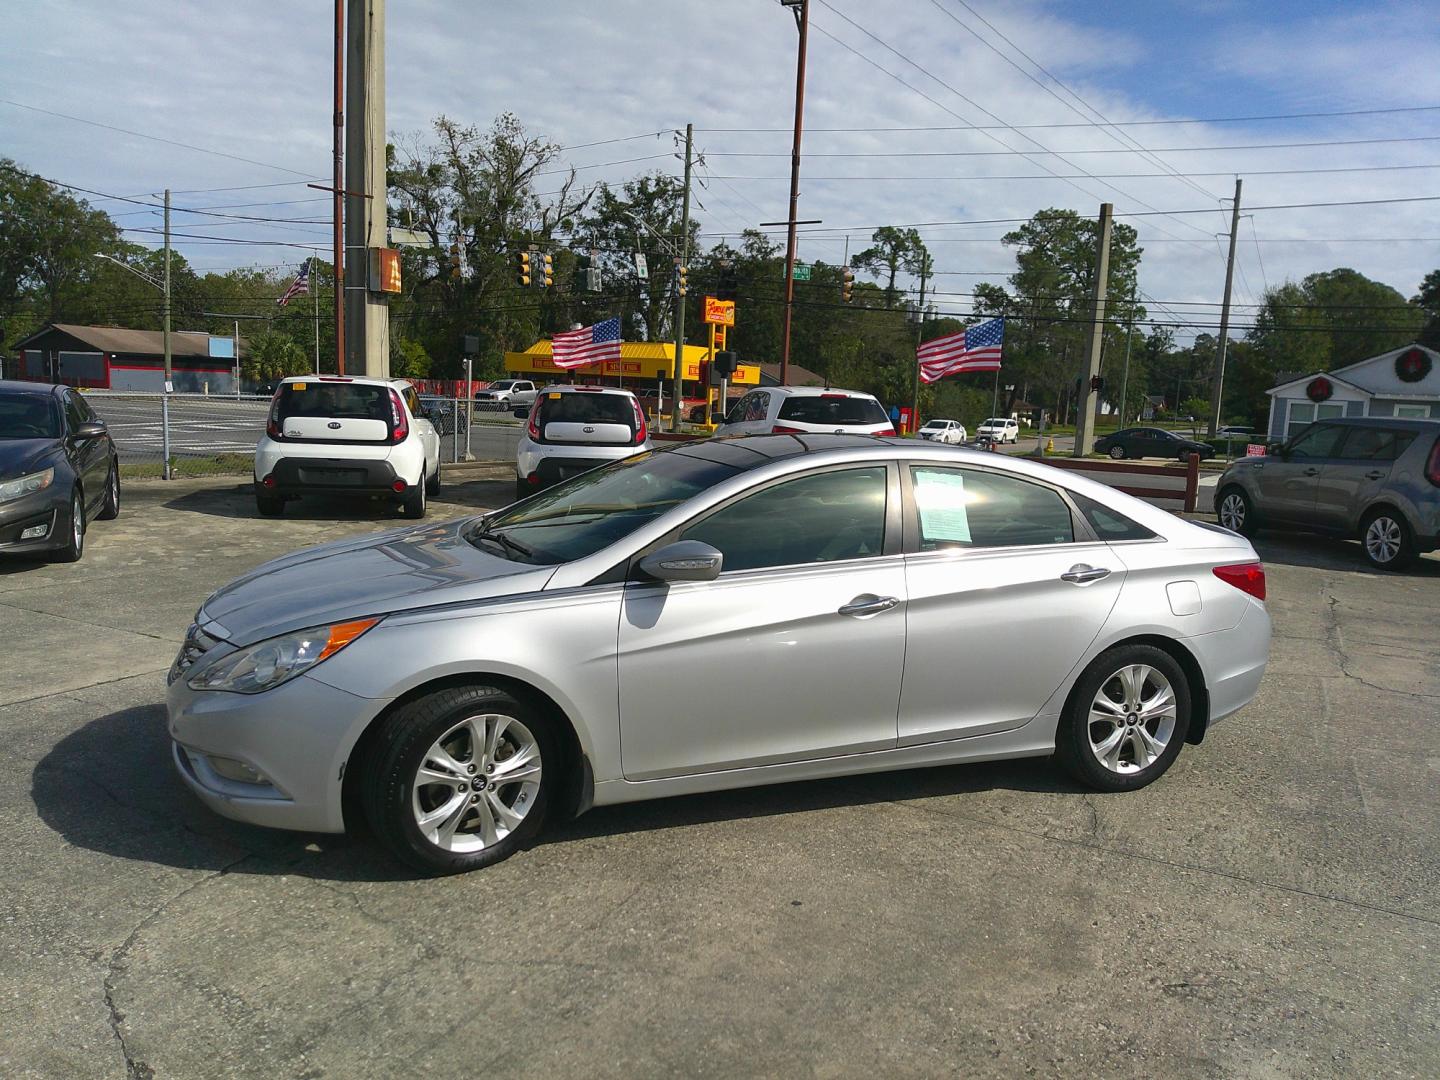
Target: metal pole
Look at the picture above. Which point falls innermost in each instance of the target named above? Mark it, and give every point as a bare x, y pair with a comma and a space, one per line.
455, 431
469, 405
1219, 387
802, 19
315, 296
995, 394
919, 340
236, 346
1129, 334
338, 210
165, 397
1084, 398
679, 370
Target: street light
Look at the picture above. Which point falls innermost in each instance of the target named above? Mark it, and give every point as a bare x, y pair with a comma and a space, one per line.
138, 273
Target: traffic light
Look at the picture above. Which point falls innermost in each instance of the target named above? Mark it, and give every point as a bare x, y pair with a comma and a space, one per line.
522, 269
682, 278
1097, 384
547, 271
455, 265
723, 366
847, 285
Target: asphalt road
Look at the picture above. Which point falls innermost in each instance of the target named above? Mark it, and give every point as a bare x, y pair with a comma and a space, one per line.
1271, 908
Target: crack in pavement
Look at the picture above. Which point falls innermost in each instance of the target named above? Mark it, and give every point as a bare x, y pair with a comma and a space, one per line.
90, 686
1335, 643
94, 625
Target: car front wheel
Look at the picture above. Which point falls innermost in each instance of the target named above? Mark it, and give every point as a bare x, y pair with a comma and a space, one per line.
1387, 540
461, 778
1126, 719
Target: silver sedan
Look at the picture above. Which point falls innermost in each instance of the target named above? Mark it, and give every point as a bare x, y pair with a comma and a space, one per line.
715, 615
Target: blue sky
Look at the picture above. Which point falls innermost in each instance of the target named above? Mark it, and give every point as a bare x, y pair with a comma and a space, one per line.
252, 80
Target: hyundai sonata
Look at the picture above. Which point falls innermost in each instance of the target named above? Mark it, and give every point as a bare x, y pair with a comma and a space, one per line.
714, 615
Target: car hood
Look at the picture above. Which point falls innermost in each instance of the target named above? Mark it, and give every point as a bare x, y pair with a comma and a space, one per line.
21, 456
419, 567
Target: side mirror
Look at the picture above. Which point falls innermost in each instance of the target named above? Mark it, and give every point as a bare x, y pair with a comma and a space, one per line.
91, 430
1275, 446
520, 414
685, 560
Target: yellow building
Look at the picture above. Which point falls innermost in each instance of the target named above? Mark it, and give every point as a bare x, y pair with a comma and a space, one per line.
640, 364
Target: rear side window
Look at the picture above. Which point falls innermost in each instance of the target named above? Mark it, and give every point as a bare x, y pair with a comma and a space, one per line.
1109, 524
838, 409
582, 408
341, 401
973, 508
1375, 444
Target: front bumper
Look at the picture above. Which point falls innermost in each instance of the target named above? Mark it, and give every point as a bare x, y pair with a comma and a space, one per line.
49, 508
297, 737
333, 476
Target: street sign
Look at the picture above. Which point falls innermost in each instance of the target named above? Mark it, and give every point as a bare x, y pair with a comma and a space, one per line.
719, 312
642, 271
802, 272
409, 238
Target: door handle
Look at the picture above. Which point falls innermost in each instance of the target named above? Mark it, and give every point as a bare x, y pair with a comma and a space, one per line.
868, 604
1312, 471
1376, 475
1080, 574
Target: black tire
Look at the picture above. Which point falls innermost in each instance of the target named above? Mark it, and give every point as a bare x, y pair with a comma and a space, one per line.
1073, 746
522, 490
74, 544
1240, 511
412, 505
1391, 533
269, 505
110, 508
432, 485
391, 767
1117, 452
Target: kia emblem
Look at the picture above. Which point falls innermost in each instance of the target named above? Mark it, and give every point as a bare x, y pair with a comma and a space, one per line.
334, 425
588, 430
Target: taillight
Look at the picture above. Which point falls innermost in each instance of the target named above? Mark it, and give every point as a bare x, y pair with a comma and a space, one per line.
1432, 467
272, 421
781, 429
532, 426
1247, 577
886, 431
640, 431
397, 410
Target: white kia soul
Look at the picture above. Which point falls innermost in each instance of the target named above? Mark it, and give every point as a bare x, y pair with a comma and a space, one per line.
338, 435
798, 410
572, 429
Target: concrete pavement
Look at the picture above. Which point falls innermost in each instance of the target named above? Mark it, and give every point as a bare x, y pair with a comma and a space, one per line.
1268, 909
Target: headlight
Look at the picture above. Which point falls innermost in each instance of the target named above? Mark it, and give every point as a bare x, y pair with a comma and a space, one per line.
26, 485
271, 662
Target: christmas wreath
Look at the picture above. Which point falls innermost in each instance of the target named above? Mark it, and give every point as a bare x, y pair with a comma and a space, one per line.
1319, 389
1412, 365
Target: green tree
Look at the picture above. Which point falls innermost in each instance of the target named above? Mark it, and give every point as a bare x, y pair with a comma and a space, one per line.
273, 355
894, 250
1428, 299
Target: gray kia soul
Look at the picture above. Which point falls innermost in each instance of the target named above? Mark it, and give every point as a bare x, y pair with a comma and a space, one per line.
1373, 479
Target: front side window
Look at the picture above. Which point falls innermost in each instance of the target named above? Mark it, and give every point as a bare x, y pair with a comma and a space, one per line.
28, 416
814, 519
974, 508
759, 406
1318, 441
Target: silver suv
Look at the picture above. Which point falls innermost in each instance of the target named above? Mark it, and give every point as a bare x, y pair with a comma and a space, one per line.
1374, 479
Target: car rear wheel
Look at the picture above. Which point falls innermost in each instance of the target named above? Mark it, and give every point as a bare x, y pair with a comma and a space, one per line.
73, 546
110, 510
1117, 452
1126, 719
269, 505
461, 778
1387, 540
412, 505
1236, 512
432, 486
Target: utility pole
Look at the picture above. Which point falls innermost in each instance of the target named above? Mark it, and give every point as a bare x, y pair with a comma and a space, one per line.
678, 373
367, 313
1129, 333
235, 348
919, 340
338, 187
169, 374
801, 9
1218, 389
315, 296
1085, 398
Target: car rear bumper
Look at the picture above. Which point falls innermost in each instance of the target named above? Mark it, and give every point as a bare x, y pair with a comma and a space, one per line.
1233, 660
336, 476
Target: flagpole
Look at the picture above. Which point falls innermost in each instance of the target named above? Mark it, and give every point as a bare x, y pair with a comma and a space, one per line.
995, 395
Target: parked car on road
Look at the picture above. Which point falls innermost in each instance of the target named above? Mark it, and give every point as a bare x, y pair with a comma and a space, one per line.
715, 615
343, 435
58, 469
1373, 479
572, 429
1003, 429
1151, 442
794, 410
511, 392
943, 431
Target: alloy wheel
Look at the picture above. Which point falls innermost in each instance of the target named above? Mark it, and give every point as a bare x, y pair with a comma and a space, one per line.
1132, 719
1383, 539
477, 783
1232, 512
77, 521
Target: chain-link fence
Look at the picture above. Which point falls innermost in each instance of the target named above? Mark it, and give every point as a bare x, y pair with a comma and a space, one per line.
213, 435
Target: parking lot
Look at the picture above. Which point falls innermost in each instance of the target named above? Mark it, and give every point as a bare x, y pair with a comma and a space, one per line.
1270, 908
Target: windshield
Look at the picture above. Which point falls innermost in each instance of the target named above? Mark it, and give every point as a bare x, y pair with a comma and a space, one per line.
503, 384
994, 421
936, 424
595, 509
28, 416
836, 409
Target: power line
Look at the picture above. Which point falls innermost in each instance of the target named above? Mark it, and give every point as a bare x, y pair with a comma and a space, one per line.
1096, 150
1103, 176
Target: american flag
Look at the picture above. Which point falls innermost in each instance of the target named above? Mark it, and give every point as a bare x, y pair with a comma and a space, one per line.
976, 348
588, 345
301, 284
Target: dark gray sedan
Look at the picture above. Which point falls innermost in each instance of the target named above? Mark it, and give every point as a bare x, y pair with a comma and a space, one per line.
1151, 442
58, 469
